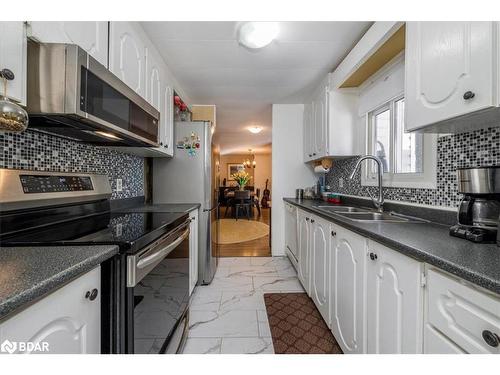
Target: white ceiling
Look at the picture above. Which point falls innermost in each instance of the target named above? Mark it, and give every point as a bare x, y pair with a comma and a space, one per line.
212, 68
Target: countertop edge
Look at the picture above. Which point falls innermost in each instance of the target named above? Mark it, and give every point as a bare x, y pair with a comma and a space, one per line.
462, 272
23, 300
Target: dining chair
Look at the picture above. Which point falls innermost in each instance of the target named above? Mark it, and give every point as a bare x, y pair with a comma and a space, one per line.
242, 199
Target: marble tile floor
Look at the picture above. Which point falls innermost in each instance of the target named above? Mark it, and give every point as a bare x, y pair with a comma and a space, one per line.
229, 315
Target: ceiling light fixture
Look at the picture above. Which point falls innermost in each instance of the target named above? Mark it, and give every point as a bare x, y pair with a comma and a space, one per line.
257, 34
255, 129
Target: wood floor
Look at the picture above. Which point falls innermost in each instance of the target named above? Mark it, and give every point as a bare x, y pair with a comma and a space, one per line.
255, 248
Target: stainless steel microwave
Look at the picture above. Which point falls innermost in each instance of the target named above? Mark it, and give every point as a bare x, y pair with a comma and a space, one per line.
72, 95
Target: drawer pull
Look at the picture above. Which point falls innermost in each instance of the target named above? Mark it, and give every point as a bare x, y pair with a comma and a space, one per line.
92, 295
491, 338
334, 233
468, 95
373, 256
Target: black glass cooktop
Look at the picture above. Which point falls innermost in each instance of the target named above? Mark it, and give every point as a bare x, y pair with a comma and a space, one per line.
130, 230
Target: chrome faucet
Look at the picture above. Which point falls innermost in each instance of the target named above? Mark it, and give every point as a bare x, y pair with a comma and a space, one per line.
379, 203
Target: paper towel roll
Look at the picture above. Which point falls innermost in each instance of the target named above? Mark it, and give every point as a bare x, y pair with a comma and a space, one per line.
320, 169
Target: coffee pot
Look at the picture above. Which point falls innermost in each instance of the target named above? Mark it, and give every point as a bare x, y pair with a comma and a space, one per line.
479, 211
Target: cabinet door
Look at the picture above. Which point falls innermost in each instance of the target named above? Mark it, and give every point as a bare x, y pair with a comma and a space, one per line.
154, 74
320, 124
291, 233
444, 61
127, 55
304, 260
64, 322
193, 250
320, 270
348, 265
394, 302
13, 57
167, 120
308, 131
463, 313
92, 36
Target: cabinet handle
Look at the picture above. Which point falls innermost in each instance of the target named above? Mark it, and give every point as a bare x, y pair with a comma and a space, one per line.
491, 338
307, 219
314, 154
468, 95
161, 143
310, 155
373, 256
312, 220
334, 233
7, 74
92, 295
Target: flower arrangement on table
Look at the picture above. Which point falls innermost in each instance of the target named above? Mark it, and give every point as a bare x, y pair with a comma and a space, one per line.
242, 178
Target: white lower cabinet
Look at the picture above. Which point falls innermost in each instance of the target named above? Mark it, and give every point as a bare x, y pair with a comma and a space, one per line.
320, 266
68, 321
304, 228
193, 250
347, 289
466, 318
394, 303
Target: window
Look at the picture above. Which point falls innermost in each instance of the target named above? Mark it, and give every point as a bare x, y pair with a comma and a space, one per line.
406, 161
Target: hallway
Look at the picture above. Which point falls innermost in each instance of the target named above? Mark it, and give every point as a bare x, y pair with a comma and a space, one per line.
255, 248
229, 315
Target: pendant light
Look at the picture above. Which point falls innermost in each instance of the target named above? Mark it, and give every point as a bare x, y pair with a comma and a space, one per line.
13, 117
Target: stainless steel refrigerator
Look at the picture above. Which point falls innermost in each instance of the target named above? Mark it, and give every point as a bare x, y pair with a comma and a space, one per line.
192, 176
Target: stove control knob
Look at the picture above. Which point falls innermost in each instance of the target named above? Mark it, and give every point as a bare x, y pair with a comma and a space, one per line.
92, 295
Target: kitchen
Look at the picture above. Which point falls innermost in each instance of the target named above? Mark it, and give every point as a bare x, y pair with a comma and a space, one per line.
385, 190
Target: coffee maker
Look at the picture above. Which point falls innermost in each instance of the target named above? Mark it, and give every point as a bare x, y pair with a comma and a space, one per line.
479, 211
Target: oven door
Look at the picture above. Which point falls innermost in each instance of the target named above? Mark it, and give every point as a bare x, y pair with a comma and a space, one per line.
158, 295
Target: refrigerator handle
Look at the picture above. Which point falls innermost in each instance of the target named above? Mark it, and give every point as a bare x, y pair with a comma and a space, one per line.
210, 209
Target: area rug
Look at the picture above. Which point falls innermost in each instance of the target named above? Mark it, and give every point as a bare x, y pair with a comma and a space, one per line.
297, 326
242, 230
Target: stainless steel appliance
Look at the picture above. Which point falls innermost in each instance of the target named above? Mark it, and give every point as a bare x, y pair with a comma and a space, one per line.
144, 289
479, 210
192, 176
70, 94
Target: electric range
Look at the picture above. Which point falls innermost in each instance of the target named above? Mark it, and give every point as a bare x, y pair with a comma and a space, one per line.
144, 289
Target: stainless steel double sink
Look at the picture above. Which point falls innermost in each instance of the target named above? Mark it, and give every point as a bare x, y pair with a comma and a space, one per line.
366, 215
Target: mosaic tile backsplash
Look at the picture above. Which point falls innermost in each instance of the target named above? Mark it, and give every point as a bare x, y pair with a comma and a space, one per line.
42, 152
473, 149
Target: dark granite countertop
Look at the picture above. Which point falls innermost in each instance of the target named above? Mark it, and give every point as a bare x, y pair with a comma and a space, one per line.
29, 273
163, 207
427, 242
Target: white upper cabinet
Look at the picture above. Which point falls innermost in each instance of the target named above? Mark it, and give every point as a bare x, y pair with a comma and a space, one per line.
320, 270
155, 78
13, 57
463, 317
329, 123
68, 321
347, 289
450, 70
127, 55
92, 36
394, 302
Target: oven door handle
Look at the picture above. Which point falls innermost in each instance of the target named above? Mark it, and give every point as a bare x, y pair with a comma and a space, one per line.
150, 259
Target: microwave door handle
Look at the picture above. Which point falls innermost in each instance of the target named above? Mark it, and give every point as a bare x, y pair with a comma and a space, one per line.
150, 259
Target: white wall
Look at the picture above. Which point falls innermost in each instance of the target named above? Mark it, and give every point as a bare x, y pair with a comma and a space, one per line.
288, 168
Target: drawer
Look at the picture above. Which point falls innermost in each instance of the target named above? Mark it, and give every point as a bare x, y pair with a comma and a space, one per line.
464, 314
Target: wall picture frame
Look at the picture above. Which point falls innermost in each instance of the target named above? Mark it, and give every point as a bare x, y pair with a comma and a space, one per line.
232, 168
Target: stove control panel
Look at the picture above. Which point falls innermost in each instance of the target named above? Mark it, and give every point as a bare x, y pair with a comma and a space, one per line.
54, 184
